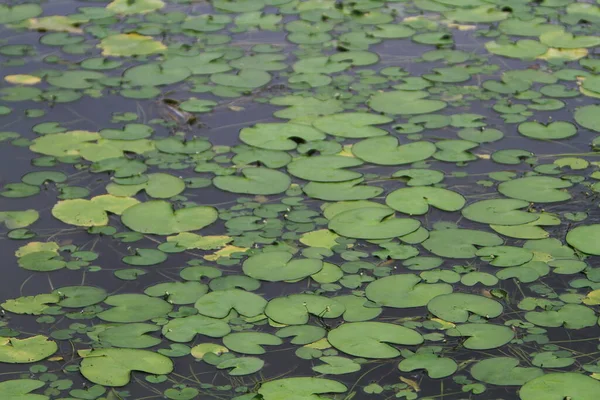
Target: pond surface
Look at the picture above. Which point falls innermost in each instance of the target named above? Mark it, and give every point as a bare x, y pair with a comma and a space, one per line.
290, 199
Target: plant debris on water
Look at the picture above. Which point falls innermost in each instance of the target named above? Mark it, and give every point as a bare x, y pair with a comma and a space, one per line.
300, 199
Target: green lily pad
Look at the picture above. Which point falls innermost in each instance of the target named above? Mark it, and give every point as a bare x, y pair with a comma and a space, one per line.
242, 365
29, 350
352, 125
386, 150
588, 117
165, 220
405, 102
20, 389
459, 243
18, 12
504, 371
436, 366
416, 200
79, 296
254, 181
279, 136
219, 304
572, 316
585, 238
324, 168
131, 336
337, 191
158, 186
559, 386
178, 292
18, 219
185, 329
81, 212
296, 309
455, 307
404, 291
336, 365
275, 266
482, 336
372, 339
134, 308
300, 388
500, 212
250, 342
113, 367
554, 131
536, 189
522, 49
372, 223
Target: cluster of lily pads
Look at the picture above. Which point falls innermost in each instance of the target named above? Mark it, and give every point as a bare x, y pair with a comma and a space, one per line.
407, 209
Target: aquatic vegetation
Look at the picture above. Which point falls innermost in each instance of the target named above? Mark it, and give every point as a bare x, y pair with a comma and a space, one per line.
299, 199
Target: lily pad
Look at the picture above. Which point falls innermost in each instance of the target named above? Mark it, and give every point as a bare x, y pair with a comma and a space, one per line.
504, 371
416, 200
386, 150
455, 307
559, 386
165, 220
278, 266
29, 350
404, 291
536, 189
263, 181
372, 223
372, 339
113, 367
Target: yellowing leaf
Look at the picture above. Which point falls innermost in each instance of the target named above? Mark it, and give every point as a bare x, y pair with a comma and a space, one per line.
463, 27
445, 324
130, 44
193, 241
34, 247
564, 54
128, 7
320, 344
321, 238
21, 79
592, 298
200, 350
411, 383
56, 23
346, 151
225, 252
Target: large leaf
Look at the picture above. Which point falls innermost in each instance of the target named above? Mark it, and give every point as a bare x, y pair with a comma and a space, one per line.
113, 367
372, 339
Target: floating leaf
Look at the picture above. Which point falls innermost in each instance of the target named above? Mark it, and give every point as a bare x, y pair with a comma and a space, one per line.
165, 220
503, 371
482, 336
130, 44
372, 339
416, 200
372, 223
560, 386
455, 307
275, 266
405, 102
113, 367
254, 181
29, 350
386, 150
300, 388
404, 291
536, 189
